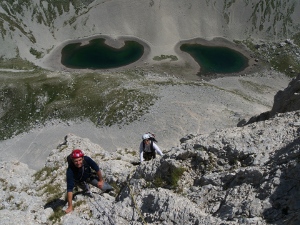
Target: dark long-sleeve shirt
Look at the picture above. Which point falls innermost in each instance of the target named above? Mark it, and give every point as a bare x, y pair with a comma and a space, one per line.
75, 174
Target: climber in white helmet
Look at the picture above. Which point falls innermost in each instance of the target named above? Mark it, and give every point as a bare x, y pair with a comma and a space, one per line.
148, 148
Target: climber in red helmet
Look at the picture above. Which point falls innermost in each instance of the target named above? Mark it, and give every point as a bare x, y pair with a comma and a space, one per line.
80, 173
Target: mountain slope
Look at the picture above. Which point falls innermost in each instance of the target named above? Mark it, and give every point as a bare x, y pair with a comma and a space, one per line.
31, 29
247, 175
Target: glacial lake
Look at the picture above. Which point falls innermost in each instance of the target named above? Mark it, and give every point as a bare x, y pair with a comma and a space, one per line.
97, 55
214, 60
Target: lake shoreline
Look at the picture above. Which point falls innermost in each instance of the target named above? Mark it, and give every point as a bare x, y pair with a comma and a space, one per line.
253, 64
190, 68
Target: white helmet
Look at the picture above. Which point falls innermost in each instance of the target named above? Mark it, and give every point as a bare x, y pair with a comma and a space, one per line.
146, 136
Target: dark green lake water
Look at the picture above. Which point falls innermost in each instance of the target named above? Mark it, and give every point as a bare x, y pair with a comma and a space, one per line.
98, 55
216, 59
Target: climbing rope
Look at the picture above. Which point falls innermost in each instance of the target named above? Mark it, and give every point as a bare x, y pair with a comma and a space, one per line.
133, 200
135, 205
103, 210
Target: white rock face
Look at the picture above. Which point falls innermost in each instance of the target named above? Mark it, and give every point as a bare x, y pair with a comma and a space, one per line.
243, 175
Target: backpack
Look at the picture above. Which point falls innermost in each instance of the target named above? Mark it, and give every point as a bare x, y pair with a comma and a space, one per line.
152, 137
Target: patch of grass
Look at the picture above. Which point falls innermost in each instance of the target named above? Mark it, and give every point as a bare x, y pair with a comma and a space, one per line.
211, 163
28, 100
159, 181
281, 56
259, 88
170, 178
244, 96
56, 195
116, 186
162, 82
79, 203
99, 155
57, 214
44, 173
3, 184
12, 188
286, 63
10, 198
36, 53
239, 93
14, 23
176, 174
17, 64
19, 206
51, 189
41, 13
133, 153
262, 11
163, 57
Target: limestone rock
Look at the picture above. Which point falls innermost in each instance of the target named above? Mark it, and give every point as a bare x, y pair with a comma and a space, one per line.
243, 175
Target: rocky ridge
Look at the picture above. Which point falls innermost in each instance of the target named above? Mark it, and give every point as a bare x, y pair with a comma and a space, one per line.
284, 101
241, 175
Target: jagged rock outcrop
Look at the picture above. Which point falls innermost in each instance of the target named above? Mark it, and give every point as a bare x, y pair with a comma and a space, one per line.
243, 175
287, 100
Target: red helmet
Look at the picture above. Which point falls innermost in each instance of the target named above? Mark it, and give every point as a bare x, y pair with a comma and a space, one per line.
77, 153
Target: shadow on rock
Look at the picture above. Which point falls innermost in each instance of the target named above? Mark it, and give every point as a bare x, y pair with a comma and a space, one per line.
287, 100
55, 204
59, 203
284, 178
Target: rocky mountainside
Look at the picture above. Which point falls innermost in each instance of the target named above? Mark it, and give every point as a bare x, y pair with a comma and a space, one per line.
284, 101
287, 100
241, 175
33, 28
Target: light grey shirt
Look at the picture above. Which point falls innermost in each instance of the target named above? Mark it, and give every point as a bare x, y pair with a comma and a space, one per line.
147, 149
